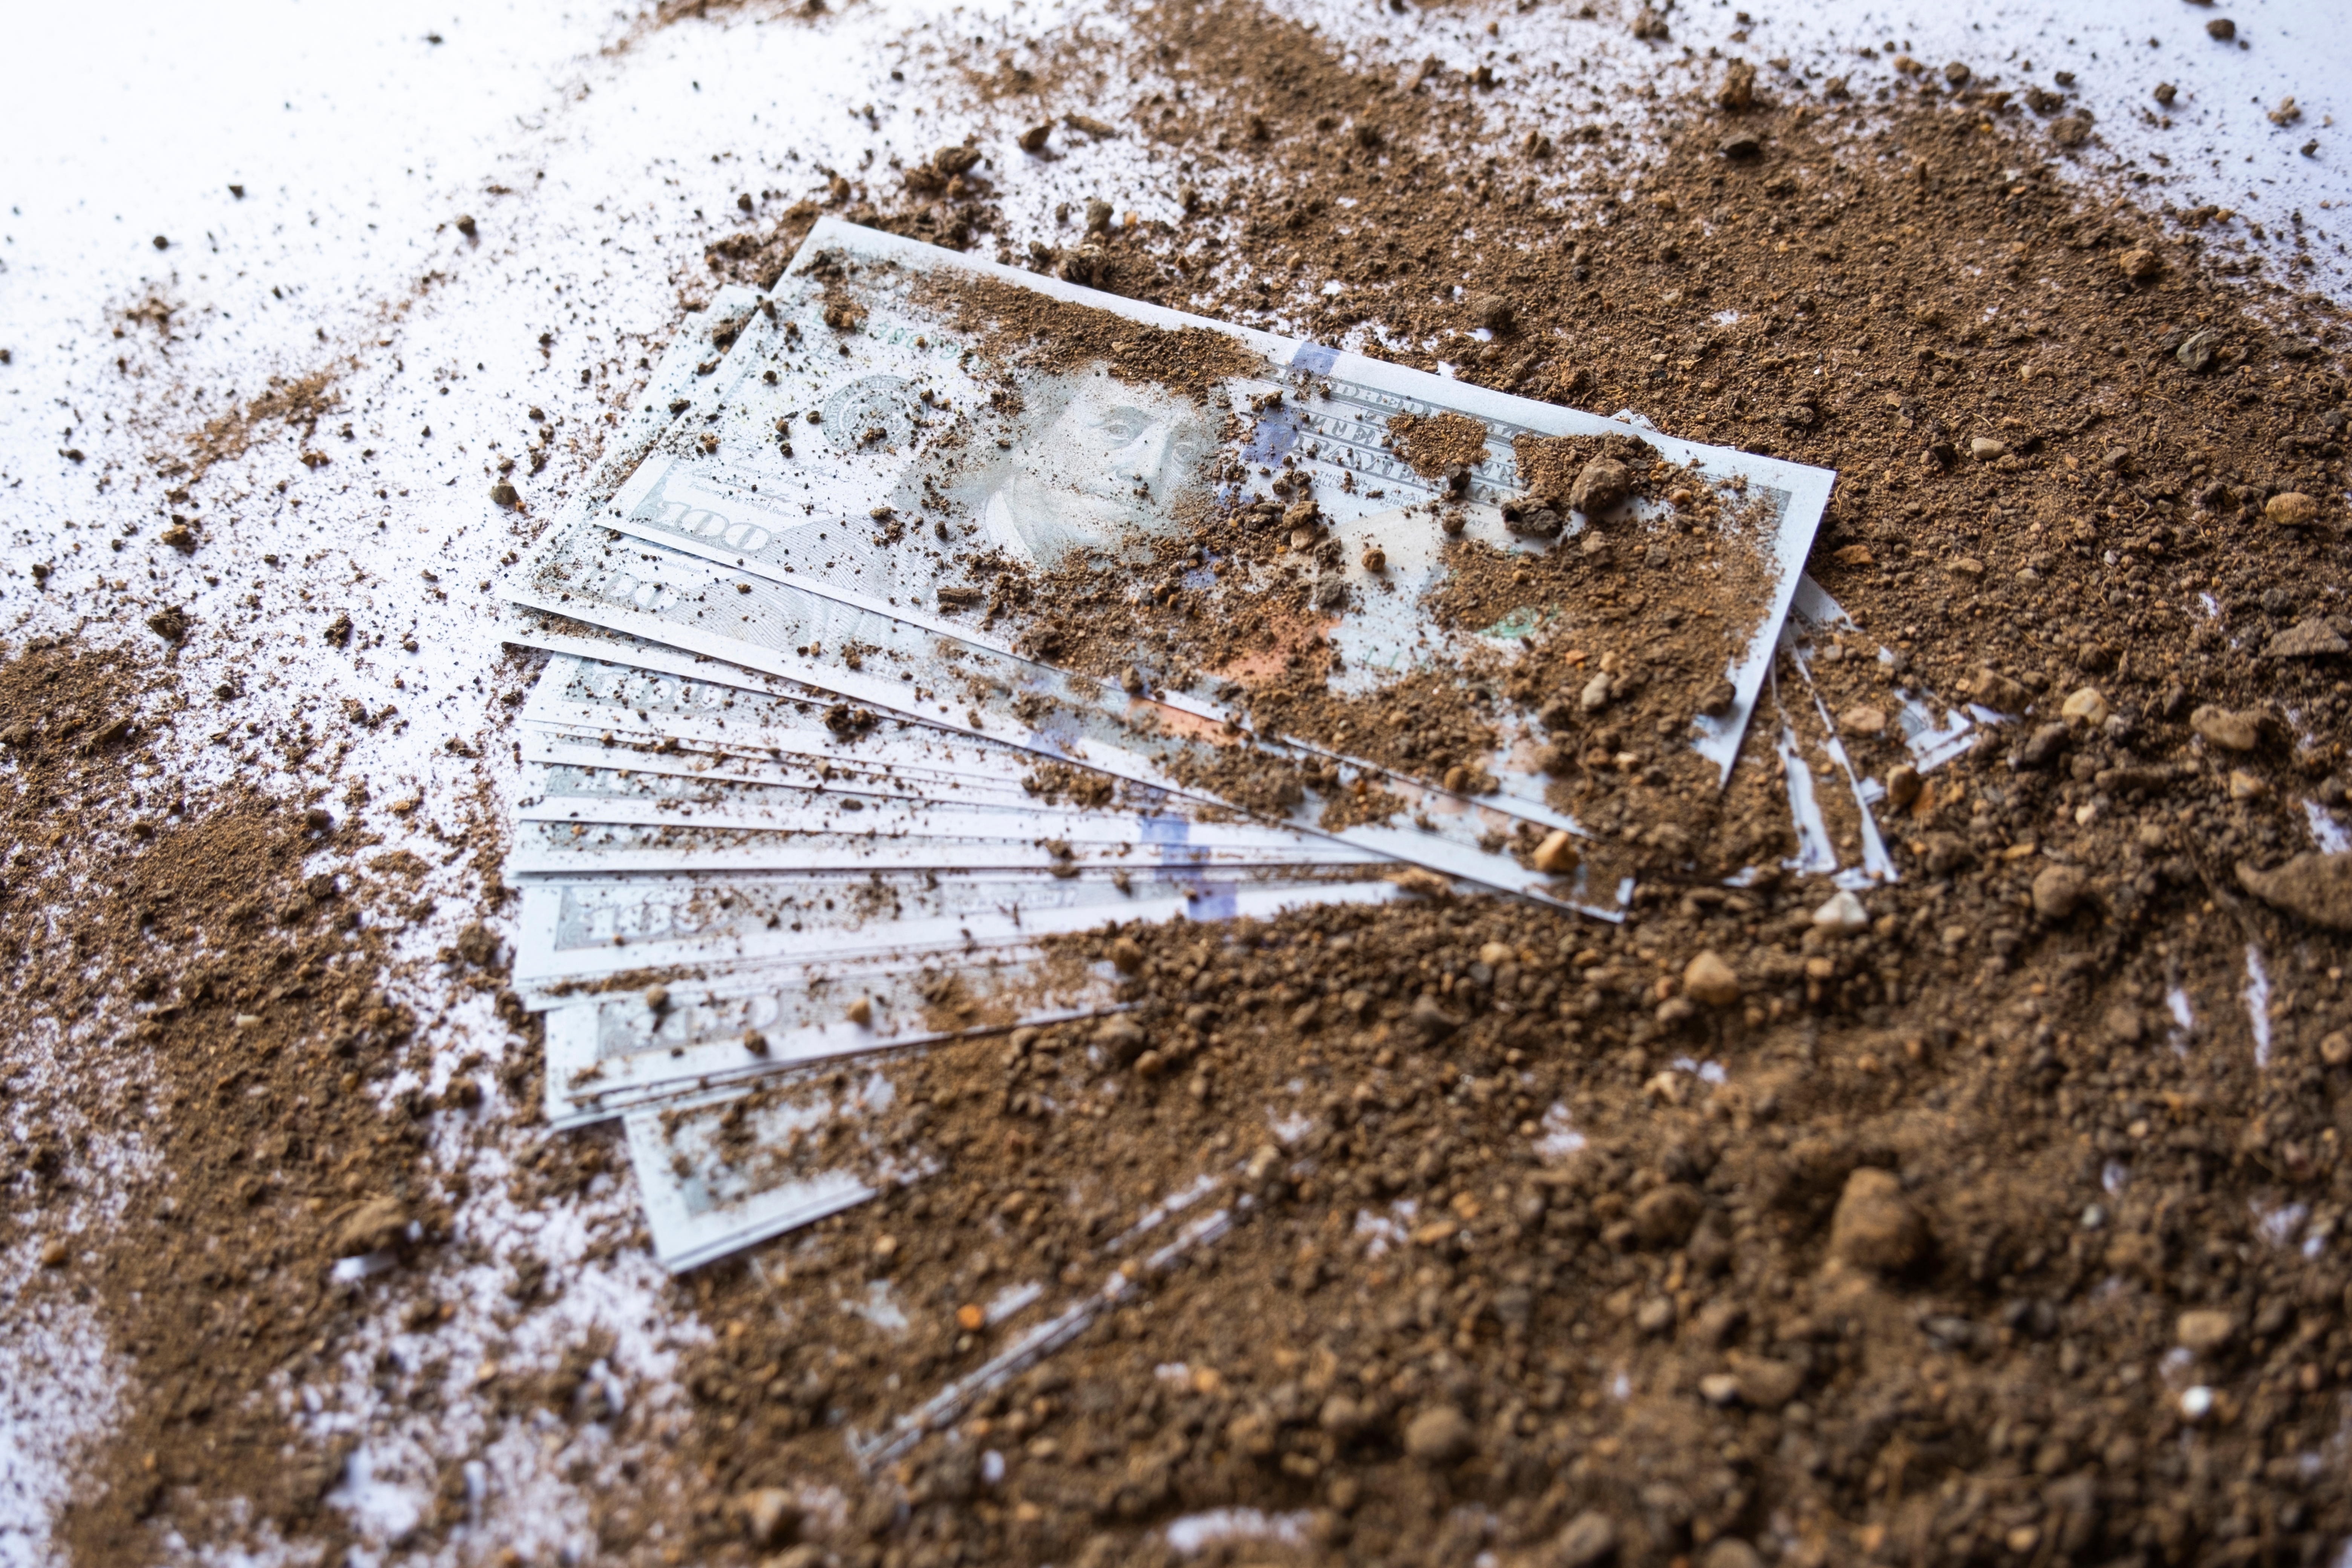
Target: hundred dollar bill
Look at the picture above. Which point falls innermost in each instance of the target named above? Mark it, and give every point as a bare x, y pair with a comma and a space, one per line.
582, 929
593, 712
643, 752
568, 793
633, 702
872, 659
568, 849
737, 1168
610, 1052
935, 981
800, 461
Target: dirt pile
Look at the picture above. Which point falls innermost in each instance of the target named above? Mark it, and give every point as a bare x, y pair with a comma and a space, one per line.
1999, 1221
1985, 1222
216, 1007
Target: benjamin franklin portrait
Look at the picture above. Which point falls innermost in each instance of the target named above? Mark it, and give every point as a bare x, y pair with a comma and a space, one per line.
1101, 461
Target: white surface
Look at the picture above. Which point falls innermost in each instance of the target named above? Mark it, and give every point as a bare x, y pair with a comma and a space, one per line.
357, 143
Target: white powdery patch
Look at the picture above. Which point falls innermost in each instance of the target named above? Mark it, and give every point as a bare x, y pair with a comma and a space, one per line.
1193, 1531
58, 1392
2257, 996
2278, 1224
1377, 1232
60, 1385
532, 1477
2184, 1020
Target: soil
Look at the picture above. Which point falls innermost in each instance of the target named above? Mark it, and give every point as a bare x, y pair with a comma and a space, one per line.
1702, 1325
206, 986
301, 403
1020, 327
1941, 1240
1438, 444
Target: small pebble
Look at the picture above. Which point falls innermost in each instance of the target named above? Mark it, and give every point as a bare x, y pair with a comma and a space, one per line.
2233, 730
1665, 1217
1842, 915
1864, 721
1875, 1226
1602, 487
1708, 978
2290, 508
1768, 1384
2043, 746
2204, 1331
2085, 707
1556, 856
1586, 1541
769, 1514
2058, 891
860, 1012
1729, 1552
1121, 1038
1438, 1435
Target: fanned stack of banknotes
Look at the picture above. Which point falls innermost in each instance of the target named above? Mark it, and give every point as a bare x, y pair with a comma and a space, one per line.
795, 804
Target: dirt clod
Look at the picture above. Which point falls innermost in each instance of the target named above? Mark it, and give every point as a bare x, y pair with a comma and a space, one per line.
1708, 978
2234, 730
1601, 488
1439, 1436
2313, 887
1875, 1228
1588, 1541
2205, 1330
2058, 891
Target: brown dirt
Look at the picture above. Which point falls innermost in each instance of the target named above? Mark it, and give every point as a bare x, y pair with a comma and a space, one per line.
1056, 336
1438, 444
1710, 1323
223, 1006
299, 401
1674, 1327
